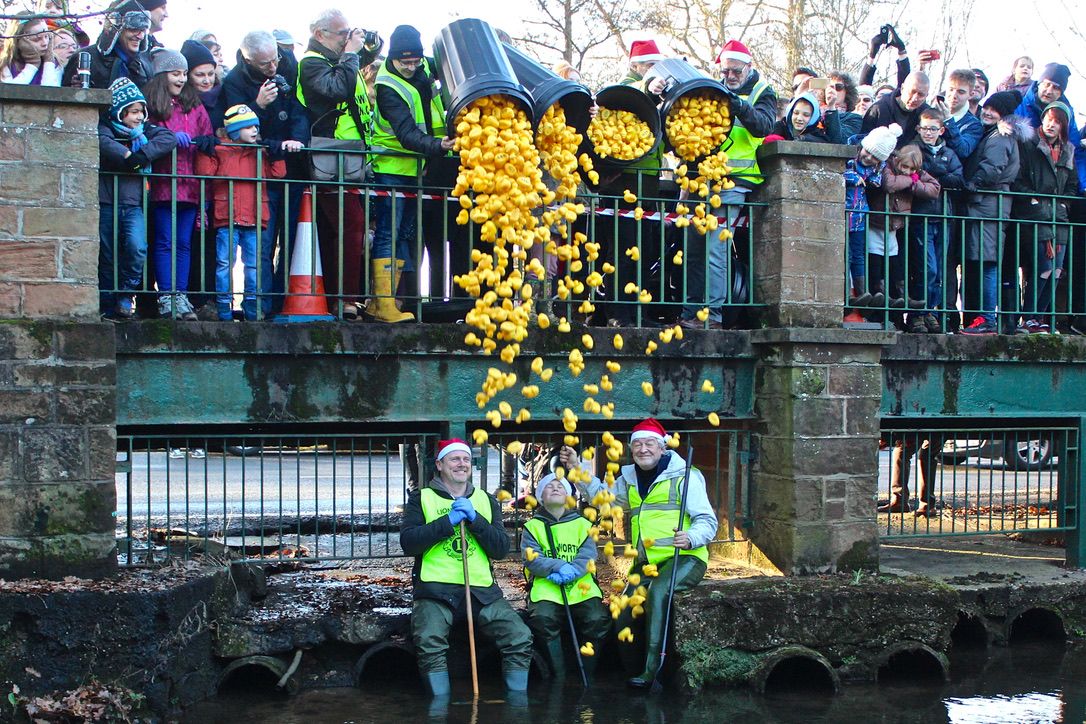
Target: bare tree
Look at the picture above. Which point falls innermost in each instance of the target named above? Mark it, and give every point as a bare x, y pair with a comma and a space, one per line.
573, 29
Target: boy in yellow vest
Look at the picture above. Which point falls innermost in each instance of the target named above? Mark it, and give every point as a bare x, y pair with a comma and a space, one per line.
559, 554
651, 490
431, 533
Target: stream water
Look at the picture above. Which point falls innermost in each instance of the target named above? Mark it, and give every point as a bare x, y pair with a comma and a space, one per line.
1024, 684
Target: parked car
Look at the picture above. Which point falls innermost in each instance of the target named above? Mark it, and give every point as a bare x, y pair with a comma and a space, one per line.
1017, 453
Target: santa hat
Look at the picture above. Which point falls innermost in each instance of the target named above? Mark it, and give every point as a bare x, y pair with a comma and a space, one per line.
645, 51
547, 479
649, 428
734, 50
444, 447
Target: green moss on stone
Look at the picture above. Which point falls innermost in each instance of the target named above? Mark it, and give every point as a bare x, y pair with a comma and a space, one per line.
809, 382
704, 662
326, 338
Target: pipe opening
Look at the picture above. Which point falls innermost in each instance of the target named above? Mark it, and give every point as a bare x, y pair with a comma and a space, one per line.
248, 678
799, 673
911, 665
1037, 624
386, 663
969, 632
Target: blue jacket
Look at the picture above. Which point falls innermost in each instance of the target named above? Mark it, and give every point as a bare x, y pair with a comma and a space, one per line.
857, 178
1031, 109
962, 136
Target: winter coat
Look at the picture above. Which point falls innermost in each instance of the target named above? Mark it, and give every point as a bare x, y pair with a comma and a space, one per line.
992, 167
1039, 174
887, 110
329, 82
896, 196
401, 117
238, 162
129, 182
759, 118
108, 67
963, 135
856, 192
850, 124
417, 537
1008, 84
867, 72
283, 120
50, 75
195, 123
824, 128
943, 165
1031, 109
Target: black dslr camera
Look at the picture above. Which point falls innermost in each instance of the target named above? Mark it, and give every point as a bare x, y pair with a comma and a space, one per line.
281, 84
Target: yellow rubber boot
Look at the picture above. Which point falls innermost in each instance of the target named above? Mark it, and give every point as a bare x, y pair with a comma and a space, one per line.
383, 304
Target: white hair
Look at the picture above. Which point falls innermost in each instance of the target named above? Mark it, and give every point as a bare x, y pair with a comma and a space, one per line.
258, 40
325, 18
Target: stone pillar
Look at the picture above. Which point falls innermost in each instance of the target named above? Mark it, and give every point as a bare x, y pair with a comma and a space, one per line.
57, 360
818, 387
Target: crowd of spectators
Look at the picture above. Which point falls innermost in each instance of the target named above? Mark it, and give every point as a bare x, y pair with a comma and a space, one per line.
957, 199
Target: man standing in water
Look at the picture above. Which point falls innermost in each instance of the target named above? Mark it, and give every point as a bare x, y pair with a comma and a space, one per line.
431, 533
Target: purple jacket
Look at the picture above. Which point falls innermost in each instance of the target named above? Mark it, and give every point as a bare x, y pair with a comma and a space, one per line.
195, 123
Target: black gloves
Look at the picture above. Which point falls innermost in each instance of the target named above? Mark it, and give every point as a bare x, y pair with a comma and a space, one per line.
894, 40
206, 144
876, 42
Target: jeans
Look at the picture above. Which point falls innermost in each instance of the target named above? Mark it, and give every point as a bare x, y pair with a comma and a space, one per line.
130, 245
170, 250
987, 274
926, 264
398, 211
720, 252
225, 250
857, 255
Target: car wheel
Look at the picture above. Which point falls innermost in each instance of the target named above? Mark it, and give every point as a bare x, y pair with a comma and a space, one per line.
1029, 455
243, 451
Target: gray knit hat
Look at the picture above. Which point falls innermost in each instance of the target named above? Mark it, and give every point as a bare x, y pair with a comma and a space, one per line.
163, 61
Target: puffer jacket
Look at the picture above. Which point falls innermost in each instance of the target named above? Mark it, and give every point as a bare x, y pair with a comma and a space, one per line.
239, 162
896, 196
195, 123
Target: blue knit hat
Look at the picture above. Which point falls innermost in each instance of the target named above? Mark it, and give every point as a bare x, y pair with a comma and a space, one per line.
124, 93
196, 54
238, 117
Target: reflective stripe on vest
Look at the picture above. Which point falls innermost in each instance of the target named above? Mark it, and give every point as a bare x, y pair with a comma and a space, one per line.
655, 518
742, 147
346, 128
384, 139
442, 563
568, 537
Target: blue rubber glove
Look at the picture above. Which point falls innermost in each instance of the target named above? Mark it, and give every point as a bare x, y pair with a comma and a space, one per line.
466, 508
456, 516
555, 578
568, 573
184, 140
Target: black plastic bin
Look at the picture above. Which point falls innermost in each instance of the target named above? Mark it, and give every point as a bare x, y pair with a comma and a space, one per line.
547, 88
680, 79
628, 98
472, 64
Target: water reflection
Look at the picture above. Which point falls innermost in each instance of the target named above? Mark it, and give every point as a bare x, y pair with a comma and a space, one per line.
1029, 684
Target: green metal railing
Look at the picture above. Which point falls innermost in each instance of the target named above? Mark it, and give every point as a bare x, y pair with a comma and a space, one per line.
442, 249
964, 481
1020, 268
328, 497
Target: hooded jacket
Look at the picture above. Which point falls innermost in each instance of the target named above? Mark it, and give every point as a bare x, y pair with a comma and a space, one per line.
1039, 174
109, 62
1032, 109
238, 162
417, 537
896, 195
822, 128
129, 183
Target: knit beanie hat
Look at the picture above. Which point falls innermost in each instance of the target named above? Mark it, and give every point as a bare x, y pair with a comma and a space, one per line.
882, 141
196, 54
1057, 73
164, 60
123, 93
1062, 109
1004, 103
546, 480
238, 117
405, 42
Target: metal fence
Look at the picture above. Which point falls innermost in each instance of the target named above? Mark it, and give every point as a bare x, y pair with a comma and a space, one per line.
328, 497
640, 242
956, 481
908, 266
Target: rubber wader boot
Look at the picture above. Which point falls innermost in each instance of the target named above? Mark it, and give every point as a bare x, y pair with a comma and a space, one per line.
437, 682
383, 307
589, 662
516, 684
556, 657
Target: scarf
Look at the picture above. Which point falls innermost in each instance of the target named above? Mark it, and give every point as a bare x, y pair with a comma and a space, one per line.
136, 136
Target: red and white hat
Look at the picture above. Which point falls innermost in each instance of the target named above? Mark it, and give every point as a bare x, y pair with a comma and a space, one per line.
444, 447
649, 428
734, 50
645, 51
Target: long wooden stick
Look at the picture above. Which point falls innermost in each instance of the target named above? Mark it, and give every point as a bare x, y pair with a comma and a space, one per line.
467, 603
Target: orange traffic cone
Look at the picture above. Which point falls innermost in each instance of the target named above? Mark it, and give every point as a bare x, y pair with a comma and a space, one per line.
305, 300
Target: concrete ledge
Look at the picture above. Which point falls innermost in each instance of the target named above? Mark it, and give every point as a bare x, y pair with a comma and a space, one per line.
779, 149
803, 335
37, 94
994, 348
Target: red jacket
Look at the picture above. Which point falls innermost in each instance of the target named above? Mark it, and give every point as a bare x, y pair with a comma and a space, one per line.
238, 163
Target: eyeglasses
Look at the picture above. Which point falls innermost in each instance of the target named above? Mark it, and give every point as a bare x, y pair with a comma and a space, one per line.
929, 129
410, 62
735, 72
263, 63
65, 46
341, 33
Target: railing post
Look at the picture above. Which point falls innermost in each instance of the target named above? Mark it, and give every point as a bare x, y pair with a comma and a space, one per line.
57, 401
818, 387
1075, 542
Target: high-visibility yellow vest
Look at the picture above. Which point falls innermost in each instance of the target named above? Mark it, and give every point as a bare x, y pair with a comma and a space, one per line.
442, 563
384, 139
742, 147
346, 128
568, 537
655, 518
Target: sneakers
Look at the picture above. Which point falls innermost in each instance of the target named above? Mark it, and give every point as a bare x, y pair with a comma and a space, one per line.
1032, 326
176, 453
696, 324
177, 303
979, 326
196, 453
916, 324
931, 323
125, 308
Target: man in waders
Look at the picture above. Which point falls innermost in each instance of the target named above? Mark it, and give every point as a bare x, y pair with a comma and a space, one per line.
431, 533
651, 489
560, 555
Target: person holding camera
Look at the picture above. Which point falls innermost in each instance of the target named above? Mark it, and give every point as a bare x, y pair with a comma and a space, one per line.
887, 37
333, 91
284, 127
